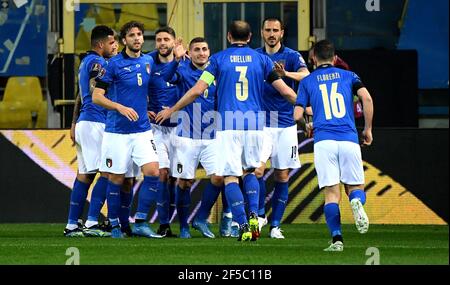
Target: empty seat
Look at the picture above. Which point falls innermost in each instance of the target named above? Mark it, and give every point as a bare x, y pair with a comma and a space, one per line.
144, 13
25, 89
14, 115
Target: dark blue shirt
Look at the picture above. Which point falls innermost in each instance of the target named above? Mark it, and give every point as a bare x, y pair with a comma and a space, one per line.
272, 100
329, 91
196, 120
161, 93
91, 67
127, 79
240, 72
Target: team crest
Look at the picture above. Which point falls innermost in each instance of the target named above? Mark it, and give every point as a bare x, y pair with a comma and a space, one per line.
180, 168
109, 162
147, 67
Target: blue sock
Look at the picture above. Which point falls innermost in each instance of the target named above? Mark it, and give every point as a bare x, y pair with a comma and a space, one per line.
183, 206
147, 195
125, 205
113, 198
163, 203
251, 190
236, 201
279, 202
209, 197
98, 197
172, 198
77, 200
225, 206
359, 194
262, 197
333, 218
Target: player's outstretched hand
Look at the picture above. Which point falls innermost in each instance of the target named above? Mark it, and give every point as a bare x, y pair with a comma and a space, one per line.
279, 69
130, 113
151, 115
164, 115
366, 138
179, 51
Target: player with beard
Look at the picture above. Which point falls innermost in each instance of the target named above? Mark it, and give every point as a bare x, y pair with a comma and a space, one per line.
128, 137
163, 94
280, 142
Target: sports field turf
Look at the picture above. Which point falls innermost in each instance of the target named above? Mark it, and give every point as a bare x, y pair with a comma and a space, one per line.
45, 244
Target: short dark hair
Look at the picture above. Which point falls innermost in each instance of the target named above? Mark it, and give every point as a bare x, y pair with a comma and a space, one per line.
128, 26
166, 29
100, 33
272, 19
324, 50
239, 30
197, 40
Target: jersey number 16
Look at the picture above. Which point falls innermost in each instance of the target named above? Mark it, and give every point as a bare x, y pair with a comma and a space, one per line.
337, 106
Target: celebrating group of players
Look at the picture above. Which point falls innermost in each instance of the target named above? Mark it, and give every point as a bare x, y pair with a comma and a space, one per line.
165, 112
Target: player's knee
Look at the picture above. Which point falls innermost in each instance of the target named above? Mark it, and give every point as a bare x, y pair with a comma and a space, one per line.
230, 179
85, 178
259, 172
185, 184
217, 180
281, 175
164, 174
116, 178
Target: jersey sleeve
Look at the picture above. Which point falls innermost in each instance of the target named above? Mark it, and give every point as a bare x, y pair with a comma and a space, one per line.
356, 82
105, 78
298, 61
211, 71
302, 95
96, 67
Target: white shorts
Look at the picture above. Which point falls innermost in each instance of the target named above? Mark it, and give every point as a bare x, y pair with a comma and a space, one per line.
237, 150
281, 146
189, 153
88, 138
164, 140
120, 150
338, 161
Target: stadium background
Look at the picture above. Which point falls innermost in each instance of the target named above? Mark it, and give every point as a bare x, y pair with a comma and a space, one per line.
400, 51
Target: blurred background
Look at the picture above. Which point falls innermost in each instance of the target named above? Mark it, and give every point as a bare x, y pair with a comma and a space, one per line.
398, 47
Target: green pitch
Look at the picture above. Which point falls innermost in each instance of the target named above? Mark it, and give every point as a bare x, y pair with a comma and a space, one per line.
44, 244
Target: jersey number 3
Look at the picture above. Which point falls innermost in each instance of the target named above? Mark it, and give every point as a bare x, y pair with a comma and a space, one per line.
337, 107
242, 84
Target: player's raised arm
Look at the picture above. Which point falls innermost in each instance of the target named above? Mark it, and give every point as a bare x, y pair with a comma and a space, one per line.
295, 75
367, 102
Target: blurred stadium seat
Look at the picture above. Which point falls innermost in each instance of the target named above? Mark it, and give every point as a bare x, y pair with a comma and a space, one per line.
27, 91
14, 115
144, 13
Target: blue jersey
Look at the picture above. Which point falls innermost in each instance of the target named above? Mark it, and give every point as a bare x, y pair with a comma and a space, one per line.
91, 67
199, 125
240, 73
329, 91
127, 79
272, 99
161, 93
